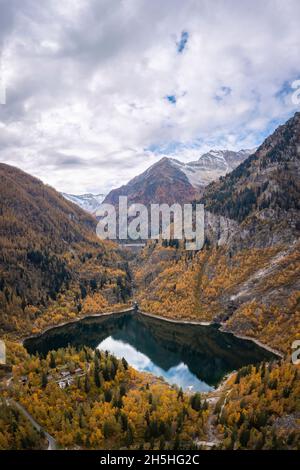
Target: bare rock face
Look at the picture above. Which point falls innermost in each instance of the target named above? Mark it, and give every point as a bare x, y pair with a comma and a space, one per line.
219, 230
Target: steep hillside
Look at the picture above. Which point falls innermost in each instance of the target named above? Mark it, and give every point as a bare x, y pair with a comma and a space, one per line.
247, 276
260, 409
264, 189
50, 257
163, 182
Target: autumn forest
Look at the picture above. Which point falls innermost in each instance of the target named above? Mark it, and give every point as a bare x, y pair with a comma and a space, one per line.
54, 270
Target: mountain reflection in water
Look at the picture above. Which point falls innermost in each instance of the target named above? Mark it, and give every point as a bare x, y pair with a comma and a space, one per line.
179, 374
190, 356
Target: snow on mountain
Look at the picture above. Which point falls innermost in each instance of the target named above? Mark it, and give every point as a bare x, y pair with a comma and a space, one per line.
168, 180
89, 202
163, 182
211, 165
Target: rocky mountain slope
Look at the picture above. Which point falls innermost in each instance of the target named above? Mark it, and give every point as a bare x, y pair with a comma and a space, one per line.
264, 190
50, 257
163, 182
211, 165
170, 180
247, 276
89, 202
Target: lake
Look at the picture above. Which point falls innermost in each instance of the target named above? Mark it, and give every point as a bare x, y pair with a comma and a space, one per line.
194, 357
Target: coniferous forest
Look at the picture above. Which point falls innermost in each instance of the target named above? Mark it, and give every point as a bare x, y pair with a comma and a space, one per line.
149, 231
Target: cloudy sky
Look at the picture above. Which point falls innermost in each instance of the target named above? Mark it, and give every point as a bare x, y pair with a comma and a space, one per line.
97, 90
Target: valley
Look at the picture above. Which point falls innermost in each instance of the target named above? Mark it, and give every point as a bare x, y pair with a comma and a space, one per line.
55, 271
247, 275
193, 357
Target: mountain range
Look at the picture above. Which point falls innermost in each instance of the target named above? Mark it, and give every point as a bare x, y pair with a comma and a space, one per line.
54, 270
211, 165
247, 276
169, 180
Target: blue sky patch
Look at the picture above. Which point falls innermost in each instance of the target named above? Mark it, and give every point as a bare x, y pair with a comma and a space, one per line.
183, 42
172, 147
285, 91
171, 98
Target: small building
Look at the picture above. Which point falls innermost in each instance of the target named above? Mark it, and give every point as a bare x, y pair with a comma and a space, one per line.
23, 379
62, 384
65, 373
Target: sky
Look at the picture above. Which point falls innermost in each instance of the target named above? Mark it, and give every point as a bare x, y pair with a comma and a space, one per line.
98, 90
179, 374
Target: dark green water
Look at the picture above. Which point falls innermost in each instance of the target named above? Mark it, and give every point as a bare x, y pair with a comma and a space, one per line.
191, 356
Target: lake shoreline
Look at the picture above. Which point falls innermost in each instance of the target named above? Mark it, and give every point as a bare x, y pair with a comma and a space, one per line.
268, 348
181, 322
254, 340
221, 328
70, 322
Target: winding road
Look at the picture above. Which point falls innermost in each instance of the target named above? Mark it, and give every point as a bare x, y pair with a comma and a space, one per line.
51, 441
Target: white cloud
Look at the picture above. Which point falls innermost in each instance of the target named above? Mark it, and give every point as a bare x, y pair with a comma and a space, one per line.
87, 81
179, 374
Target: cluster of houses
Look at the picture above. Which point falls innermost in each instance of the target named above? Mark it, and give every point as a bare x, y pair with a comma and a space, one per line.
67, 378
64, 378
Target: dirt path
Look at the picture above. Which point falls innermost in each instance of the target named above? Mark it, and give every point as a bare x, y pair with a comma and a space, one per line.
213, 439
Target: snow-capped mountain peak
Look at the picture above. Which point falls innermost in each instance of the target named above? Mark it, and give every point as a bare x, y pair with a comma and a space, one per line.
89, 202
168, 180
211, 165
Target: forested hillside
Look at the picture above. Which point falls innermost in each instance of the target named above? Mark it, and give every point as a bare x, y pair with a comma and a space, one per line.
261, 409
52, 265
108, 405
250, 279
16, 432
264, 189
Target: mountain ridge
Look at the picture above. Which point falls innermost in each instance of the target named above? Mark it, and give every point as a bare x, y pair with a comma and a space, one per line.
52, 264
170, 180
88, 201
247, 275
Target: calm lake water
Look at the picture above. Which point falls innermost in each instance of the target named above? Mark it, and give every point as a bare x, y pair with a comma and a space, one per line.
191, 356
